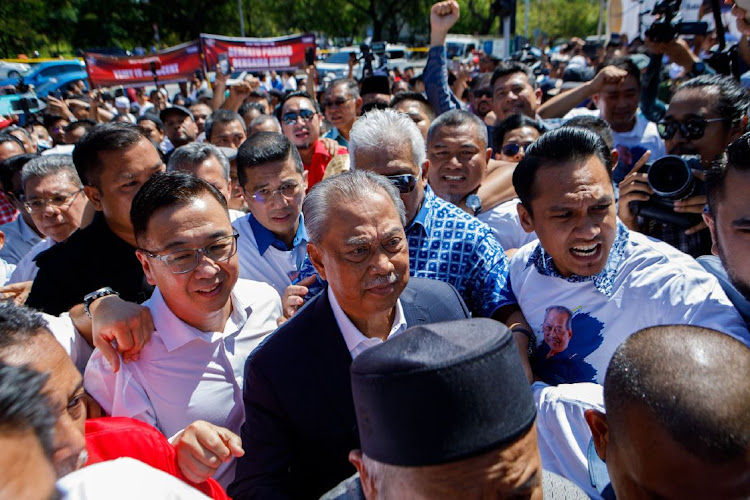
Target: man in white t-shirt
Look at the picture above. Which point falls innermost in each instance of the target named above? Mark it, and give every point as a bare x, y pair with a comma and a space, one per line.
206, 321
613, 281
273, 239
616, 90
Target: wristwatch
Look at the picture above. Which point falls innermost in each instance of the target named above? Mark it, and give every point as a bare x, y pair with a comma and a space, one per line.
96, 294
474, 202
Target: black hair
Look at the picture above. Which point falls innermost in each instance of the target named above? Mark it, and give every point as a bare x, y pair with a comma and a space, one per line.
6, 137
511, 67
86, 124
247, 106
18, 325
626, 64
691, 380
595, 124
737, 157
564, 145
24, 406
50, 120
261, 94
262, 148
414, 96
458, 118
103, 137
513, 122
222, 116
153, 119
167, 189
292, 95
732, 101
12, 166
482, 81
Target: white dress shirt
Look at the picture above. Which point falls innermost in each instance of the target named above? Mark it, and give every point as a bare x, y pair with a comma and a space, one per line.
26, 269
183, 374
124, 479
356, 342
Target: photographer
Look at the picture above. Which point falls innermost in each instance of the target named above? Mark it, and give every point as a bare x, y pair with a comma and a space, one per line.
704, 116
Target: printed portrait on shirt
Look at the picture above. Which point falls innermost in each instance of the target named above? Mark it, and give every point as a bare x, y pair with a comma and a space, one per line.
565, 338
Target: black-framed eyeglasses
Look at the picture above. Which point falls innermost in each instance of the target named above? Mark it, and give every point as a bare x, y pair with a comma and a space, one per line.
184, 261
690, 129
36, 205
337, 103
512, 149
288, 190
291, 117
405, 183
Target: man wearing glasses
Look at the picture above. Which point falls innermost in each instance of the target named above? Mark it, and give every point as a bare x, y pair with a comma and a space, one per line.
273, 240
300, 123
342, 106
206, 320
53, 197
704, 116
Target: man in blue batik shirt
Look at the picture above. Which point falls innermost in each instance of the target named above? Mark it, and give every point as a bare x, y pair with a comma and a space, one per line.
445, 243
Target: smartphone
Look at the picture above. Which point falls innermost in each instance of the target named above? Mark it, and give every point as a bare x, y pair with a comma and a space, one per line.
224, 63
309, 56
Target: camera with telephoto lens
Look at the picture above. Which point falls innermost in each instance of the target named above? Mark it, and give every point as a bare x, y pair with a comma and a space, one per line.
671, 178
669, 25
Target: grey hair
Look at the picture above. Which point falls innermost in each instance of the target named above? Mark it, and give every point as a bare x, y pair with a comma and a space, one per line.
352, 186
386, 128
352, 89
188, 156
458, 118
386, 478
44, 166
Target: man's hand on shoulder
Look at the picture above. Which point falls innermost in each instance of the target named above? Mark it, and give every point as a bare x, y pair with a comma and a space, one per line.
114, 319
202, 447
294, 297
443, 16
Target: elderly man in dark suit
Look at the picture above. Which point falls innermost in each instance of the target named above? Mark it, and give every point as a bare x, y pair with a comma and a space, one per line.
300, 422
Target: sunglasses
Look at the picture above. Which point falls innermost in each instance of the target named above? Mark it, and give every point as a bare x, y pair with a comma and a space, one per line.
690, 129
512, 149
404, 183
482, 93
291, 117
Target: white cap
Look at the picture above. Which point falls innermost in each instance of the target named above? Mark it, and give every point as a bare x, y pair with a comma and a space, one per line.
122, 102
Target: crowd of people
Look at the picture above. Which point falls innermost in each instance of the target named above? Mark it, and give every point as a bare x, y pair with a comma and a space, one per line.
505, 283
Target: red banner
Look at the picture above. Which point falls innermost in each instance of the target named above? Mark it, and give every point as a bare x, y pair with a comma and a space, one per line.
174, 64
257, 54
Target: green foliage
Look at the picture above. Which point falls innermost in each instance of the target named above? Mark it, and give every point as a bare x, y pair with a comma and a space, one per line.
59, 25
560, 18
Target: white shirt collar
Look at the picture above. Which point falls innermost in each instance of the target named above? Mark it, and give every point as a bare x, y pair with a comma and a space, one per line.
356, 342
175, 333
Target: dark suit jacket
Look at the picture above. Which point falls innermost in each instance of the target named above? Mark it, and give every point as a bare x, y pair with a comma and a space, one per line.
299, 414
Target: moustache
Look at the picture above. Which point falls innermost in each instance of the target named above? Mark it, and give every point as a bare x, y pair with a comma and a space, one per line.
388, 279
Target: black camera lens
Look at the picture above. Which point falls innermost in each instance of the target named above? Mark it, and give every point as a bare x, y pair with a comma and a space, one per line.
670, 177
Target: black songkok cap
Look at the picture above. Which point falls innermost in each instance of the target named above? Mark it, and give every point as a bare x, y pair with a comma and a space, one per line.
375, 84
441, 392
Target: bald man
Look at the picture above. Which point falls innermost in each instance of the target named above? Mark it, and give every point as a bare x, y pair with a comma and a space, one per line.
677, 422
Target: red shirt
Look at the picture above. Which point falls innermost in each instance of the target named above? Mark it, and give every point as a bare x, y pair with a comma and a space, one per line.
317, 167
8, 212
109, 438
